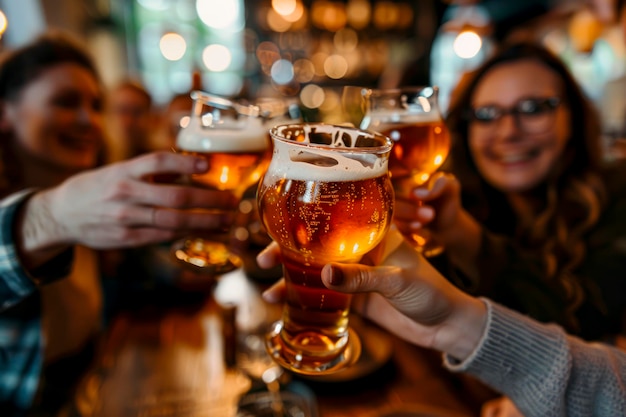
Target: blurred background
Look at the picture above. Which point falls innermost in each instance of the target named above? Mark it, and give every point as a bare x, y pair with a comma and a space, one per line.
309, 49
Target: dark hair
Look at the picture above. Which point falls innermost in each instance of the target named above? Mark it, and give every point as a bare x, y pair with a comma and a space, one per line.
21, 66
584, 150
574, 195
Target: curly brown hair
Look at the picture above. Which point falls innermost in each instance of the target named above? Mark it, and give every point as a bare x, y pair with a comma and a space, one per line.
571, 199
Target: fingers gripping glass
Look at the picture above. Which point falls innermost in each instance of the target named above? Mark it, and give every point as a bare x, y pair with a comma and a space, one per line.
532, 115
234, 139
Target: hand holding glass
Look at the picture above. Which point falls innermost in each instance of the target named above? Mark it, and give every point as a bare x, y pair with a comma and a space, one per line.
325, 197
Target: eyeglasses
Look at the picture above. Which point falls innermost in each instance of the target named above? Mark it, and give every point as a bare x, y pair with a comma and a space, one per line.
532, 115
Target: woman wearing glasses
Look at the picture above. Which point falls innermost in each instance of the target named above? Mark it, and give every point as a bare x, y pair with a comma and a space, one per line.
529, 211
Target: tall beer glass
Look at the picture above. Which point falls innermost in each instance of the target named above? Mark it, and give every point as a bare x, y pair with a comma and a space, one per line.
410, 116
234, 139
325, 197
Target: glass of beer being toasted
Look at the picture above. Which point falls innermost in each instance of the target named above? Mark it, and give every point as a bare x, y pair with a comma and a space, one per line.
234, 139
325, 197
410, 116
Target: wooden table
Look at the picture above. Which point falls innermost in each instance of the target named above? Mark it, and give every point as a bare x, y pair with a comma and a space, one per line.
177, 360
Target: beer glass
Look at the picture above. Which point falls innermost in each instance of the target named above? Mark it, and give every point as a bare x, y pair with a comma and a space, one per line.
325, 197
234, 139
410, 116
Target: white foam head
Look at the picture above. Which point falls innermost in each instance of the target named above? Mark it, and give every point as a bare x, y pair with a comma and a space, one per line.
339, 161
225, 135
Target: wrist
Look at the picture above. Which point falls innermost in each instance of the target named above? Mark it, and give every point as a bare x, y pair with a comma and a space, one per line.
463, 330
37, 233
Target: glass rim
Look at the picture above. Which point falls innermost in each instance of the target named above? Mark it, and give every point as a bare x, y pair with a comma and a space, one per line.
387, 143
379, 92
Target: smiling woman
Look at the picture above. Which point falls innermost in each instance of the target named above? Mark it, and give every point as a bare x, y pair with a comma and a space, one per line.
533, 215
528, 157
54, 86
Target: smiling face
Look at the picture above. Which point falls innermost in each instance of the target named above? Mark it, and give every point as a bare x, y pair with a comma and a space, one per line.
508, 158
57, 119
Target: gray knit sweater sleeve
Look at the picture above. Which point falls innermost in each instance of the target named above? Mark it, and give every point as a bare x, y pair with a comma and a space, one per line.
544, 371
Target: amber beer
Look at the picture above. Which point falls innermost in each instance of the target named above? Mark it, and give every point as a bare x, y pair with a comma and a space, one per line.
420, 147
320, 212
231, 171
419, 150
237, 158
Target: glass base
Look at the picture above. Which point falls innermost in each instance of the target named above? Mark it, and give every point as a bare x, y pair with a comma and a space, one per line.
205, 256
297, 363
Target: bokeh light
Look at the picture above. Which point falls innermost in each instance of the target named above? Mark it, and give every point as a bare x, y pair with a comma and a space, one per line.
219, 14
335, 66
296, 14
312, 96
282, 72
3, 23
359, 13
318, 59
284, 7
467, 44
216, 57
172, 46
277, 22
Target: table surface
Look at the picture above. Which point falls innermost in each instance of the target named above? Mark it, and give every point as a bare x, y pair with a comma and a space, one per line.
178, 359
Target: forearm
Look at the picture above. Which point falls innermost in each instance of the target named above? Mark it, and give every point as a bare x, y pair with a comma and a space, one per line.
544, 371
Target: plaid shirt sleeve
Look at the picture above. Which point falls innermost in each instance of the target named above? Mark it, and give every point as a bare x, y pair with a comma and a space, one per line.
15, 284
21, 343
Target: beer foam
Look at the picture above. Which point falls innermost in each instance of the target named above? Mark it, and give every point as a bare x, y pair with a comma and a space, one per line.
301, 160
227, 136
376, 119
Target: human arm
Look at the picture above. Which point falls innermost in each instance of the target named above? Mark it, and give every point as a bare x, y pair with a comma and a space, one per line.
544, 371
481, 261
111, 207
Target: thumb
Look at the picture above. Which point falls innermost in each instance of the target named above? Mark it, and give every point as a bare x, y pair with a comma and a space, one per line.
356, 278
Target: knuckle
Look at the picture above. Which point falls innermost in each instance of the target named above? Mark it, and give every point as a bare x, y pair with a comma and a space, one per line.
120, 189
121, 235
362, 279
157, 161
178, 197
160, 158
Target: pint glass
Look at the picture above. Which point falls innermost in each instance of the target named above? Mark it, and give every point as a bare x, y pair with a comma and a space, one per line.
410, 116
325, 197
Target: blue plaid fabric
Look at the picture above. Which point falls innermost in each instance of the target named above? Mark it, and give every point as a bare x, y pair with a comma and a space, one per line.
21, 344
